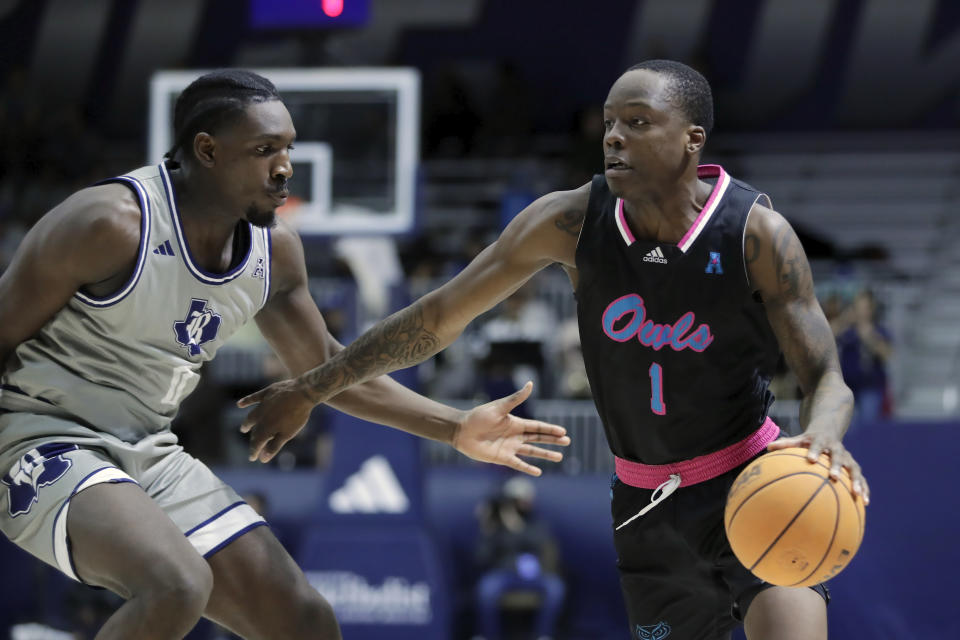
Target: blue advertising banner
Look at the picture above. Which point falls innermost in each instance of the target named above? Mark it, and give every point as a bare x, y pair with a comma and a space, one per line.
367, 549
375, 473
382, 581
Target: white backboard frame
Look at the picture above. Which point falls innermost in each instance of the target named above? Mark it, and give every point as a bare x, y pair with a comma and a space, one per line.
405, 81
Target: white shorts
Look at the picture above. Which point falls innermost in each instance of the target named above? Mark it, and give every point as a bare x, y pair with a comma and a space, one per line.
46, 460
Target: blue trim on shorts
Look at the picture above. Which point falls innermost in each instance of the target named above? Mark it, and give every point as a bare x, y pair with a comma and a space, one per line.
261, 523
214, 517
53, 534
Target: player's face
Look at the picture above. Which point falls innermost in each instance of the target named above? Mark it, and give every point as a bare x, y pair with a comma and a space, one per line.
254, 161
645, 139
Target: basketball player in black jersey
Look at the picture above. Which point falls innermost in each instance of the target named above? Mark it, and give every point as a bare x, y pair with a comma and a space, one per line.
688, 286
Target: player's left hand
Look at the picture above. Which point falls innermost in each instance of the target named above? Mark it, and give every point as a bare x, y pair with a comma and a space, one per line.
281, 412
840, 458
489, 433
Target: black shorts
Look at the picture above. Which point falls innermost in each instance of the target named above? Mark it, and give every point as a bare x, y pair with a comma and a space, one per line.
677, 571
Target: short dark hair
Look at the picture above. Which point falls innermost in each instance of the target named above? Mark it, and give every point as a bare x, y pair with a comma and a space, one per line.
214, 99
688, 90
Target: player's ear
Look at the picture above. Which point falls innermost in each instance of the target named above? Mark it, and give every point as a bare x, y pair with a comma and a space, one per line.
203, 148
696, 138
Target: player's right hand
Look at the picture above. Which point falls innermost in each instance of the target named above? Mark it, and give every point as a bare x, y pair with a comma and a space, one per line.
281, 411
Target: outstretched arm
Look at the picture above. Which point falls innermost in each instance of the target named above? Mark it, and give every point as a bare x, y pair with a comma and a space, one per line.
779, 270
532, 241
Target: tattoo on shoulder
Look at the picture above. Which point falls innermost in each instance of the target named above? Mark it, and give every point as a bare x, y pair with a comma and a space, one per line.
793, 270
570, 222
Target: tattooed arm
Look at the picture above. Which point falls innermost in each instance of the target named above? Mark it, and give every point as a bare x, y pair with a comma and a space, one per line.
778, 268
540, 235
543, 233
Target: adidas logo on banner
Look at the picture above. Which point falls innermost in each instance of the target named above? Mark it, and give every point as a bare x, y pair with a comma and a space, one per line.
372, 489
655, 255
164, 249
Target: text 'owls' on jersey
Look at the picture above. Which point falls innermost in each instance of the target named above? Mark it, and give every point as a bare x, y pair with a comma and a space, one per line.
678, 352
123, 363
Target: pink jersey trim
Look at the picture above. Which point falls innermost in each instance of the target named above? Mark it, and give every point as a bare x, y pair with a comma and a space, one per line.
622, 224
701, 468
723, 180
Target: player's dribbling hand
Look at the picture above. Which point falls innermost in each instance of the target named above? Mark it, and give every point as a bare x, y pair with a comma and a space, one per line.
840, 458
489, 433
282, 410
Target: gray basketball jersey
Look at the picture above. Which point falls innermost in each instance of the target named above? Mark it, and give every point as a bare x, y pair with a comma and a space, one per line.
123, 363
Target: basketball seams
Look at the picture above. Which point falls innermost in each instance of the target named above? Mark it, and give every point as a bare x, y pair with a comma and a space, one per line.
764, 486
803, 508
833, 539
800, 511
777, 454
844, 477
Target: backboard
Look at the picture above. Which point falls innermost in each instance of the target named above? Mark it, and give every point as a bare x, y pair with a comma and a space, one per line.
357, 150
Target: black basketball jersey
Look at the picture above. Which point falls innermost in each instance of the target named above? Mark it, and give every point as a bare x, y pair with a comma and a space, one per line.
678, 352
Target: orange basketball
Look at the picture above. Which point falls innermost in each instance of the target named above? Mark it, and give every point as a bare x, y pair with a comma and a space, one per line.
788, 523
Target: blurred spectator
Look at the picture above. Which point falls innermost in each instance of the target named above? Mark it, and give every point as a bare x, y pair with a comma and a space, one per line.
572, 382
864, 347
584, 157
833, 307
518, 193
518, 339
508, 121
784, 385
518, 556
375, 265
421, 259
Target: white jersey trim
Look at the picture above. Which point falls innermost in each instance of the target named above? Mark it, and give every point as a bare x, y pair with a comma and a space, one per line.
198, 273
145, 223
622, 226
713, 202
268, 258
743, 239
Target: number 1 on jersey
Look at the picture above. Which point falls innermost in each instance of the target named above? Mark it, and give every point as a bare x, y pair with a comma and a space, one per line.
656, 390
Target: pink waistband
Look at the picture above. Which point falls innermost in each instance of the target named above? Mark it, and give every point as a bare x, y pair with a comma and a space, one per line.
701, 468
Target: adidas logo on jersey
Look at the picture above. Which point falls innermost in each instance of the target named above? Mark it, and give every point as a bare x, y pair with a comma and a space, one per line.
372, 489
655, 255
164, 249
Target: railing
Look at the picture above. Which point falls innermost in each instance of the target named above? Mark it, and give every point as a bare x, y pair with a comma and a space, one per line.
588, 451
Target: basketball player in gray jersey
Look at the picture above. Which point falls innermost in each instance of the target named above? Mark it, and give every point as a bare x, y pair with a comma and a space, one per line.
112, 303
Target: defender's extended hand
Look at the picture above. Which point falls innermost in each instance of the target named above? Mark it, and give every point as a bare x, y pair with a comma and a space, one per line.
818, 443
489, 433
282, 410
